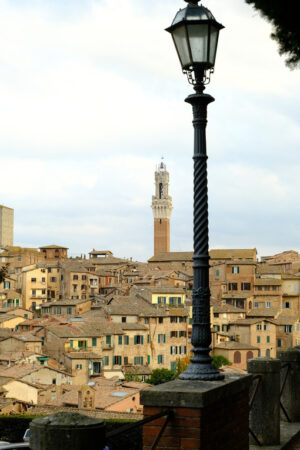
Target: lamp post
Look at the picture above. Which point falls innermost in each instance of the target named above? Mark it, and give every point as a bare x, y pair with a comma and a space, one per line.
195, 34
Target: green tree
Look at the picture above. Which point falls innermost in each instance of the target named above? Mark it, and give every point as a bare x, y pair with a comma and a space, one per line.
283, 16
219, 361
132, 377
160, 376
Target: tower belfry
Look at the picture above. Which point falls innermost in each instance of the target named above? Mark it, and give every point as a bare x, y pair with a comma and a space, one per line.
162, 208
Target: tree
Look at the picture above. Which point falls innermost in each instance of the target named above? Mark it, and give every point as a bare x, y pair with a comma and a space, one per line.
160, 376
219, 361
132, 377
286, 31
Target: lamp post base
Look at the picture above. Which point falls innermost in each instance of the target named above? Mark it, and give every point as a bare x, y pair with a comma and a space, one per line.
201, 372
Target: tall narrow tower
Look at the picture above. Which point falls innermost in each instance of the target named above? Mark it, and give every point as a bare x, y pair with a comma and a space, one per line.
162, 208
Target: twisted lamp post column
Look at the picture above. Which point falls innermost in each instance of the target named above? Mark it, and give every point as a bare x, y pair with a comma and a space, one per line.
195, 33
201, 367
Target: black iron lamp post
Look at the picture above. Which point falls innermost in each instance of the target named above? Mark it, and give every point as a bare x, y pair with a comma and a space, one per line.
195, 34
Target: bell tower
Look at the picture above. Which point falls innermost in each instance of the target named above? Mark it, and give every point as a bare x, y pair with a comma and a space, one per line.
162, 208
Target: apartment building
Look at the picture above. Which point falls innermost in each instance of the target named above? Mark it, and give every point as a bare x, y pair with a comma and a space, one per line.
33, 283
54, 252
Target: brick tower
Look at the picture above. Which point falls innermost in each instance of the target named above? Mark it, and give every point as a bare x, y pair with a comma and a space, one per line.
162, 208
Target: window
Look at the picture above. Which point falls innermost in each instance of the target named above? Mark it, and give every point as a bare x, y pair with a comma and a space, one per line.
173, 334
237, 357
58, 310
106, 361
268, 304
71, 344
232, 286
217, 272
235, 269
146, 320
255, 304
268, 353
83, 277
120, 340
108, 339
182, 333
83, 287
78, 366
74, 287
162, 300
173, 319
216, 315
49, 268
173, 350
43, 291
117, 360
138, 361
6, 285
258, 326
288, 328
148, 359
249, 355
43, 280
245, 286
160, 359
286, 305
161, 338
138, 339
94, 342
75, 277
126, 340
182, 350
148, 338
266, 327
258, 339
123, 319
268, 339
160, 320
33, 292
69, 310
33, 280
126, 360
182, 319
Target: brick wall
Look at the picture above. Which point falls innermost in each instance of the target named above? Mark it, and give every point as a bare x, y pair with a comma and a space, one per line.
223, 425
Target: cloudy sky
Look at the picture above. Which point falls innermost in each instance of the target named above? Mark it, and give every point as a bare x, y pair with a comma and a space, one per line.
91, 97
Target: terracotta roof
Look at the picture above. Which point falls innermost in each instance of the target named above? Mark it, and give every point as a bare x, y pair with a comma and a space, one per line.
281, 319
172, 256
249, 253
82, 355
97, 329
232, 345
262, 312
54, 246
65, 302
165, 290
227, 309
250, 321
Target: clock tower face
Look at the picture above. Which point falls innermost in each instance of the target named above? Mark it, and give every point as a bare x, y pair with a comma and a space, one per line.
162, 209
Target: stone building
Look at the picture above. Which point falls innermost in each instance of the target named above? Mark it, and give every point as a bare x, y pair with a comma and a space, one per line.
54, 252
6, 226
162, 209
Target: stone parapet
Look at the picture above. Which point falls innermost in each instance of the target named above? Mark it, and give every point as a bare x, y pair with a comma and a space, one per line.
206, 415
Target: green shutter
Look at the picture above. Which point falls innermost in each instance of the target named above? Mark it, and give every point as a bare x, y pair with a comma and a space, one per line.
142, 360
135, 340
71, 344
148, 359
135, 360
164, 338
94, 342
142, 339
158, 338
148, 338
120, 340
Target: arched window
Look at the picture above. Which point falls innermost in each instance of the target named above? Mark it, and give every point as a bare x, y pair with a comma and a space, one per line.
268, 353
237, 357
250, 305
249, 355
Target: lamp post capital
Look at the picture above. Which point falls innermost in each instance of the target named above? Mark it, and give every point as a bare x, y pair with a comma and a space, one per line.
193, 2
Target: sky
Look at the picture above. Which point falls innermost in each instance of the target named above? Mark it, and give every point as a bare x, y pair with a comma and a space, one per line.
92, 96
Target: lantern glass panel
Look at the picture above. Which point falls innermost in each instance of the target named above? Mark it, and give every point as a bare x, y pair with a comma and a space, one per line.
198, 37
214, 33
180, 40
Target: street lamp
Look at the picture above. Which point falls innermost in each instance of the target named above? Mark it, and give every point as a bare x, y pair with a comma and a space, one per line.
195, 34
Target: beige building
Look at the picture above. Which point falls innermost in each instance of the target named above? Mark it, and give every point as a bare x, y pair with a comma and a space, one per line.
33, 283
237, 353
6, 226
66, 307
162, 209
260, 333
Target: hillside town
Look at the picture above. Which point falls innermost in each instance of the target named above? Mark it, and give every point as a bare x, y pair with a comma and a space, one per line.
87, 332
